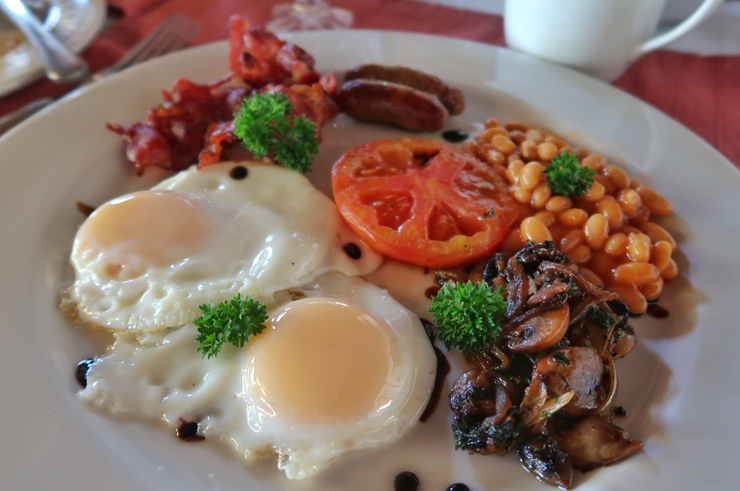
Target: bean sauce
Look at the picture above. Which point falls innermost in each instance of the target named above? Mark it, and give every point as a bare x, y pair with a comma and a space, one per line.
455, 136
432, 291
188, 431
656, 311
406, 481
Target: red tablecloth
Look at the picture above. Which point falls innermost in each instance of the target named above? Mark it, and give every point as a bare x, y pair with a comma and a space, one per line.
701, 92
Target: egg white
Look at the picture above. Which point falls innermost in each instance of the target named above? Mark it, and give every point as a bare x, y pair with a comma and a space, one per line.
160, 376
270, 231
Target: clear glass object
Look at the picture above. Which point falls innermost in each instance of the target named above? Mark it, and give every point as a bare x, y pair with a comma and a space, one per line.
308, 15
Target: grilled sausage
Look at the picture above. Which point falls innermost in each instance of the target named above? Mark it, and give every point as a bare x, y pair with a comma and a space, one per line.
394, 104
452, 98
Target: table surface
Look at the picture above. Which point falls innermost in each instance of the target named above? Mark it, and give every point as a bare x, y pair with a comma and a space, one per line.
719, 35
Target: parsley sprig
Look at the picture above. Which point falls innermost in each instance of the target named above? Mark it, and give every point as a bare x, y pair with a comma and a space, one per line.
265, 127
468, 317
565, 175
232, 322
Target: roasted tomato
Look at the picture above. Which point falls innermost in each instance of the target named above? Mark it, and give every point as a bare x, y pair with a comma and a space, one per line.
423, 203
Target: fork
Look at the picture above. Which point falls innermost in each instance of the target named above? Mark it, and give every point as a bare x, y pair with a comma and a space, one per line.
171, 35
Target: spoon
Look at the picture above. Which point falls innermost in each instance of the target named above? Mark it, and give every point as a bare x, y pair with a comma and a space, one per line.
59, 63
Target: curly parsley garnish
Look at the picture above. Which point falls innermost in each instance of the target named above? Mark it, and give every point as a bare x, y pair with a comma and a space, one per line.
265, 127
468, 317
232, 322
565, 175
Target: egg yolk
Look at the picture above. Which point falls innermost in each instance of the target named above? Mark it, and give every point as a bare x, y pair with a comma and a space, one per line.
157, 228
322, 361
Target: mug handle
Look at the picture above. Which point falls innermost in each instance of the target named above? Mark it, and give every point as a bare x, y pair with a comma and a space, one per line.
705, 10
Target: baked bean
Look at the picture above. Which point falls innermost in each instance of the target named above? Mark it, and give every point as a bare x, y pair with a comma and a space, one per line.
575, 217
500, 170
492, 123
555, 141
472, 148
609, 187
558, 203
653, 290
633, 298
609, 207
594, 161
596, 230
580, 254
522, 195
639, 247
536, 136
515, 126
637, 274
581, 153
517, 137
503, 144
530, 175
671, 271
603, 265
616, 245
630, 202
634, 183
617, 176
546, 151
512, 157
660, 255
571, 239
513, 241
541, 195
528, 150
656, 203
486, 136
491, 155
591, 277
534, 230
546, 217
514, 170
594, 193
657, 233
642, 216
627, 229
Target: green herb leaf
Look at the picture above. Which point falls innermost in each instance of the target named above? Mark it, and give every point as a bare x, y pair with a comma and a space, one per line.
265, 127
468, 317
565, 175
232, 322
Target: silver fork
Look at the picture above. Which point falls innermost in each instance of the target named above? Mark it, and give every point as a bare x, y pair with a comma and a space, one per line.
171, 35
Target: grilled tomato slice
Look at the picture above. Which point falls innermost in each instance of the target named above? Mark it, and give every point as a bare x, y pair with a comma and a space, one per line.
423, 203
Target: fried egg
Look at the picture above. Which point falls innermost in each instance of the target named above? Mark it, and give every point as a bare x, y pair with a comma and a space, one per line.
340, 367
147, 260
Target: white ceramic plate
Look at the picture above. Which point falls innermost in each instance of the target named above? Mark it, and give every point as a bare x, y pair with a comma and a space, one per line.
75, 22
680, 384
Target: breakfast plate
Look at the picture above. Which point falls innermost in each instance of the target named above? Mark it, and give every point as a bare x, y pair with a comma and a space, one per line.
75, 22
679, 385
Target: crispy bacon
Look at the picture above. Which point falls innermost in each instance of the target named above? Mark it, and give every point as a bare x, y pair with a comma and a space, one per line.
195, 123
260, 58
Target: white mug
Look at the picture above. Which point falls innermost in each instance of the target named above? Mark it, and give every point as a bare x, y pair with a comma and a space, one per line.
599, 37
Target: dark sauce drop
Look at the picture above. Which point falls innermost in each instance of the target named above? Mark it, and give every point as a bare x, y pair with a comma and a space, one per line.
655, 310
85, 209
81, 372
455, 136
443, 368
458, 487
188, 431
239, 172
353, 250
406, 481
432, 291
619, 411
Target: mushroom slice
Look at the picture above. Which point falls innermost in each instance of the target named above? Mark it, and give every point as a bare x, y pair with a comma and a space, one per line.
596, 441
578, 369
483, 394
542, 456
540, 332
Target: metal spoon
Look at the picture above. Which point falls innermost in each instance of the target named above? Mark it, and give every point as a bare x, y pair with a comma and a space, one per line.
59, 63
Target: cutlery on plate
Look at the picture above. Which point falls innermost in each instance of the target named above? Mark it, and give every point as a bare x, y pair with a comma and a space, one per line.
59, 63
171, 35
